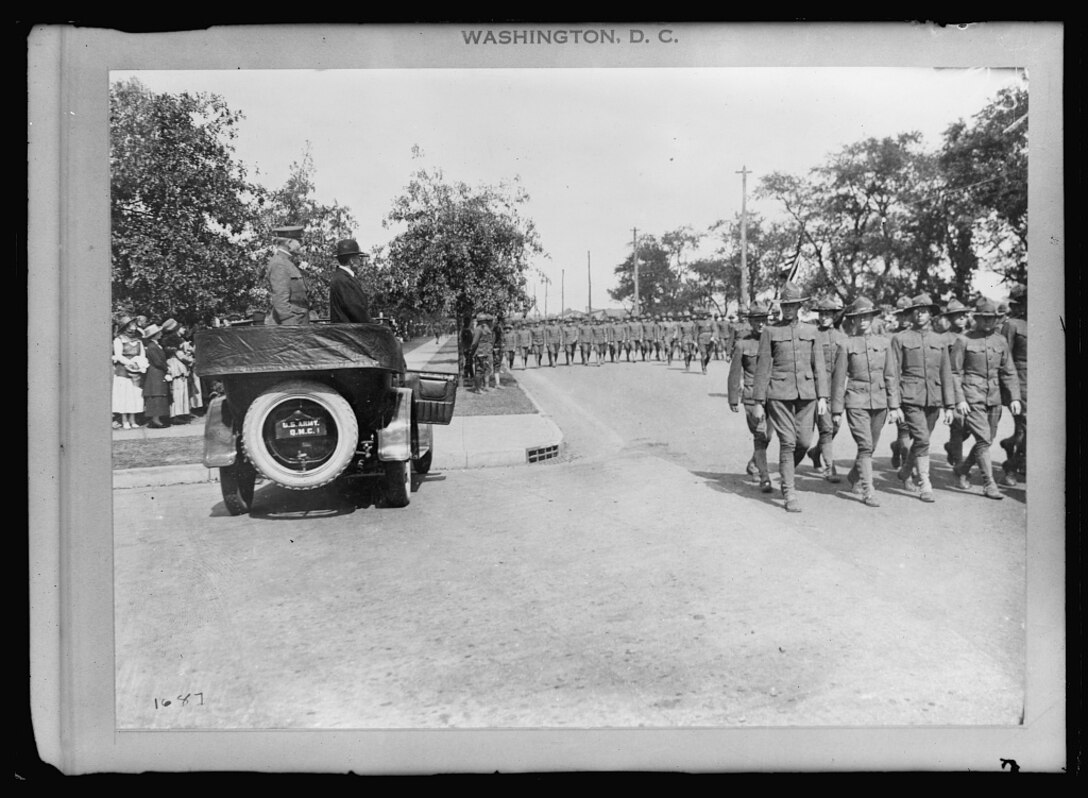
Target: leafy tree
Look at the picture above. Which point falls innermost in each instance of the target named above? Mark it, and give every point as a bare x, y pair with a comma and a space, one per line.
460, 249
772, 248
659, 284
183, 211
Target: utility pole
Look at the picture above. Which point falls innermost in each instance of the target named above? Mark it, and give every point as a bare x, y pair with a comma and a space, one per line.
743, 237
589, 283
562, 291
634, 256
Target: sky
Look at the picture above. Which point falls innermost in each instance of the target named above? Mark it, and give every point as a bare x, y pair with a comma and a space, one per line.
600, 151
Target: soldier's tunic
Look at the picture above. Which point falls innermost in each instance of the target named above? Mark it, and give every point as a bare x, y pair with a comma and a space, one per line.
553, 339
585, 341
986, 378
525, 342
742, 374
791, 374
864, 385
925, 384
956, 434
570, 340
287, 292
482, 350
536, 338
1015, 331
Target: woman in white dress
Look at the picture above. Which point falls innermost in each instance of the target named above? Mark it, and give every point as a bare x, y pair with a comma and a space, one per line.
129, 365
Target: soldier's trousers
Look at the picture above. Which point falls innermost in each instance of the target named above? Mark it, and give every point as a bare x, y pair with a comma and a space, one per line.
483, 365
827, 429
792, 421
920, 422
981, 423
760, 440
865, 427
1017, 444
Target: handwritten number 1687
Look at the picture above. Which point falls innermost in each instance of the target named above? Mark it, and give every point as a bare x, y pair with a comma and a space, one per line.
182, 700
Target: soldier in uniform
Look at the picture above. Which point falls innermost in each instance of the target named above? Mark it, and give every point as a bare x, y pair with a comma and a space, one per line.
901, 442
585, 339
742, 372
509, 343
613, 337
524, 341
286, 286
828, 337
570, 339
600, 339
864, 385
1015, 331
553, 339
705, 330
927, 389
481, 351
955, 312
790, 386
983, 365
686, 328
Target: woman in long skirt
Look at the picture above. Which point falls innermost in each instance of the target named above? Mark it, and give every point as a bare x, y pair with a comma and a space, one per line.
129, 364
156, 394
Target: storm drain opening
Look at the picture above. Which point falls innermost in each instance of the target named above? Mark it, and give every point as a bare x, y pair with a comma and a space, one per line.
542, 453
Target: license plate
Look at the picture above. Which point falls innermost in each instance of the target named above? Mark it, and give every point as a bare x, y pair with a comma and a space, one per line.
300, 426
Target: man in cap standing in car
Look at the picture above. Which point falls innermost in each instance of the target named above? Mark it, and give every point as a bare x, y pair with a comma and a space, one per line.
286, 286
348, 303
790, 386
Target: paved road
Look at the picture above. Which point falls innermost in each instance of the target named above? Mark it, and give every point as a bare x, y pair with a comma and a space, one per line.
640, 581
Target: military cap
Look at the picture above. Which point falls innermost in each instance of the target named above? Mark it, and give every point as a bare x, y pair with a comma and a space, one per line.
791, 295
347, 246
288, 231
862, 306
483, 317
953, 307
924, 301
830, 303
758, 310
985, 307
902, 305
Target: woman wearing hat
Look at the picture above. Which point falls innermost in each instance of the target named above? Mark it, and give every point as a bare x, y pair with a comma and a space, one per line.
742, 371
129, 364
156, 394
791, 380
927, 389
984, 370
864, 385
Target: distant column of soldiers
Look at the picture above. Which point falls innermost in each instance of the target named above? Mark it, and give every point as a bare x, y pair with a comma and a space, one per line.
795, 378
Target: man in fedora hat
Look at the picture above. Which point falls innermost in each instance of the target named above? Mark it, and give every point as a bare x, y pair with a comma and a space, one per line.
864, 386
1015, 330
956, 313
790, 386
348, 303
927, 389
742, 372
984, 370
287, 288
828, 336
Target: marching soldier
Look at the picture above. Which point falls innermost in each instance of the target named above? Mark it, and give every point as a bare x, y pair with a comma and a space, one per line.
828, 337
1015, 331
570, 339
742, 372
672, 337
901, 442
536, 337
633, 337
704, 339
615, 333
926, 386
984, 369
864, 385
524, 341
553, 339
956, 314
585, 339
509, 344
687, 339
791, 381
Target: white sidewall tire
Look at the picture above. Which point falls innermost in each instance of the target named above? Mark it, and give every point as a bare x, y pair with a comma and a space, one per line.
263, 460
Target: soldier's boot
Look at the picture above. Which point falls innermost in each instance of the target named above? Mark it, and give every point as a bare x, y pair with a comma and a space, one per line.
908, 467
1008, 476
925, 490
868, 494
789, 491
752, 469
798, 456
763, 471
897, 455
853, 476
814, 454
961, 472
989, 484
829, 472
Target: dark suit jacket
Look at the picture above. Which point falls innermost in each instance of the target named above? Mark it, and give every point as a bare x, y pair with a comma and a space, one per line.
347, 301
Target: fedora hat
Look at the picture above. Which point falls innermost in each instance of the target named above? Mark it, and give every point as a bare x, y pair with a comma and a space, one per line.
347, 246
955, 306
862, 306
791, 294
924, 301
152, 330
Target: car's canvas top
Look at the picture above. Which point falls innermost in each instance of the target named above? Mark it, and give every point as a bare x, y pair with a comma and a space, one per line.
314, 347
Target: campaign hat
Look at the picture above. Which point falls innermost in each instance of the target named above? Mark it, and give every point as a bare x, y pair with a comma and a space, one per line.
759, 310
347, 246
288, 231
1018, 294
953, 307
862, 306
902, 305
791, 294
924, 301
985, 307
830, 303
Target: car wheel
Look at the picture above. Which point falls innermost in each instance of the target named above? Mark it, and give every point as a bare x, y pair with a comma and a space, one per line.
236, 482
300, 434
398, 482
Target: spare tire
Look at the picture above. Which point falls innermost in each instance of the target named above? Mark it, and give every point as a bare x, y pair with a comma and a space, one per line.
300, 434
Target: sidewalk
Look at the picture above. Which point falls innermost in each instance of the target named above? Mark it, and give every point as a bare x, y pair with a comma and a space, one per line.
466, 442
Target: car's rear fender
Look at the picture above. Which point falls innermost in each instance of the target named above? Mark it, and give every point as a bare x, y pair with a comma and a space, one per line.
220, 437
395, 439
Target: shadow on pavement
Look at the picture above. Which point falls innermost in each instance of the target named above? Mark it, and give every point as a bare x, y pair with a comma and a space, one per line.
740, 484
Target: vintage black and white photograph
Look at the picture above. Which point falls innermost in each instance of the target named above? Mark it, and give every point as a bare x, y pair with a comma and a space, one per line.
539, 379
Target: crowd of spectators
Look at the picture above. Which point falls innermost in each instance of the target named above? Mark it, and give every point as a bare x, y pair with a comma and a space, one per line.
154, 382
